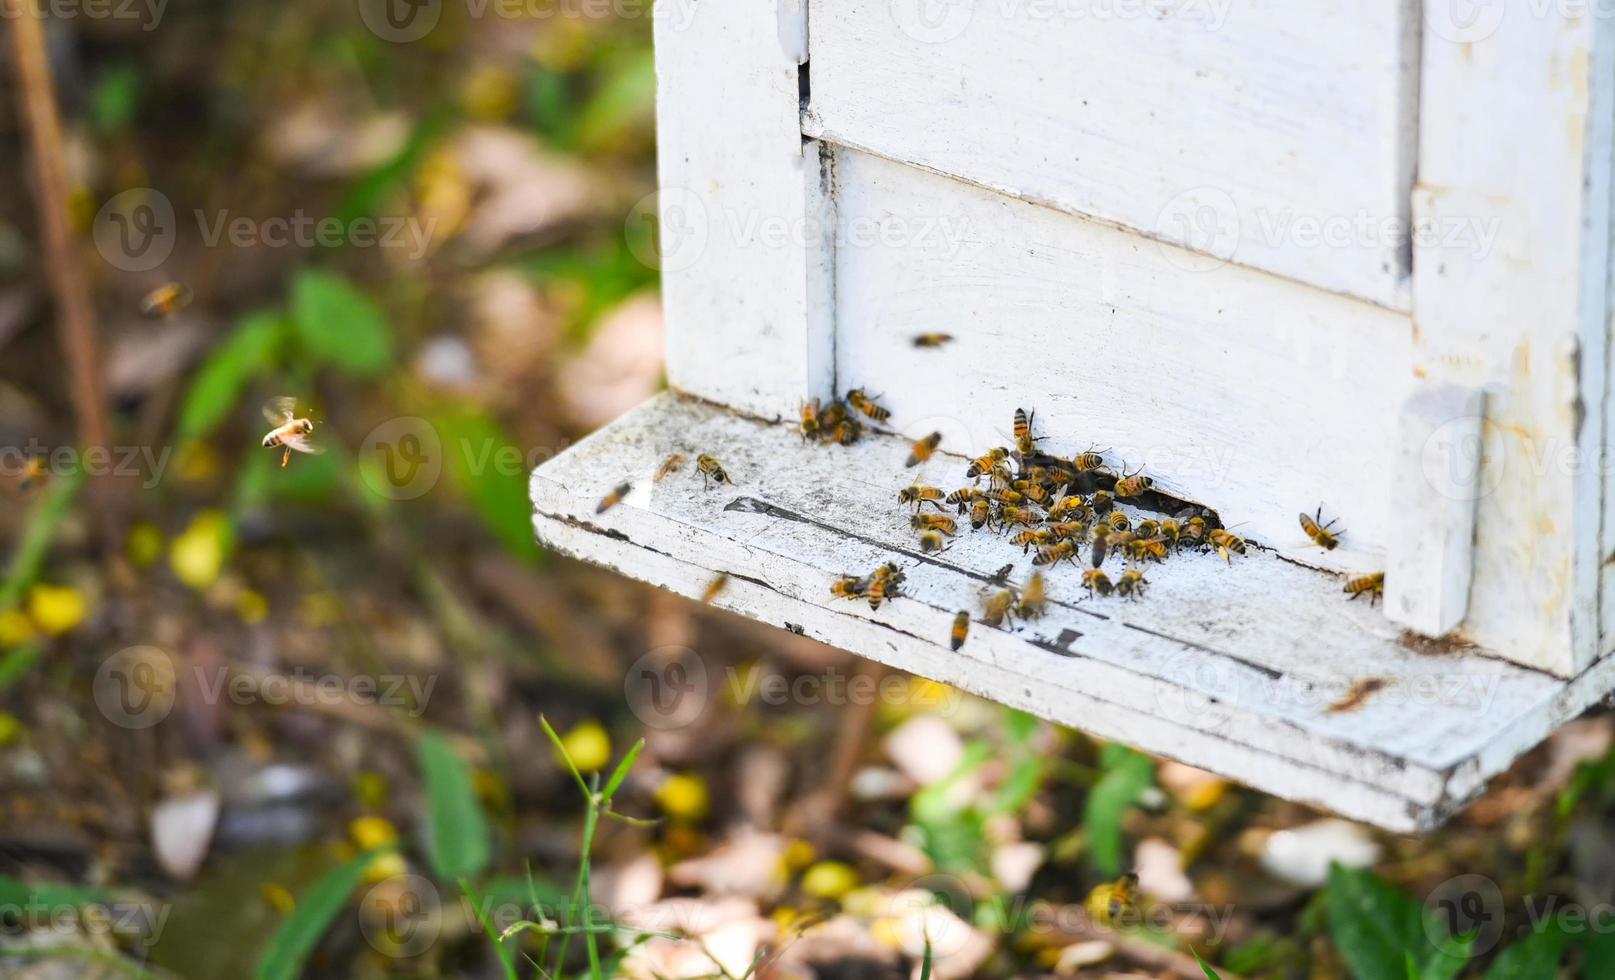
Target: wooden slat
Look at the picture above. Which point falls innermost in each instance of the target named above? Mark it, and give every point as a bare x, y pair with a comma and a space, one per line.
1239, 669
1279, 134
744, 243
1516, 119
1254, 394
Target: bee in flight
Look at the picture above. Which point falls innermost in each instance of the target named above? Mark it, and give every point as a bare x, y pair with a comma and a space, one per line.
32, 474
961, 626
923, 449
670, 466
933, 340
1321, 534
1115, 903
1373, 585
866, 404
990, 464
289, 432
711, 470
166, 300
613, 498
714, 587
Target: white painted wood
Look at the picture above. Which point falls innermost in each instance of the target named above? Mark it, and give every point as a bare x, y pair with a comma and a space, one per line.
1509, 294
1432, 544
1231, 667
1254, 394
1278, 134
743, 242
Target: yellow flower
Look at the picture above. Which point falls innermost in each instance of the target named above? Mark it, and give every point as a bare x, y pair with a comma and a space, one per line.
384, 866
588, 746
277, 897
372, 832
144, 545
830, 880
56, 609
15, 628
197, 555
684, 796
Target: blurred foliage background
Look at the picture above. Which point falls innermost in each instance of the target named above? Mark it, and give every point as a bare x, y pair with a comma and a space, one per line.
391, 737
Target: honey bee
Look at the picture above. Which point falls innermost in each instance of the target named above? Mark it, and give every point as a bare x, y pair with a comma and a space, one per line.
1321, 535
1139, 548
981, 511
1101, 502
1031, 490
1147, 528
847, 587
1016, 516
714, 587
166, 300
1087, 462
670, 465
919, 496
833, 415
613, 498
991, 463
32, 475
289, 432
711, 469
1132, 583
935, 522
1036, 538
922, 450
1133, 486
865, 404
1117, 521
883, 584
961, 626
1095, 580
1001, 577
1024, 440
808, 422
1225, 542
1071, 505
932, 541
1060, 551
1171, 530
847, 432
1033, 597
1195, 529
998, 607
963, 497
1069, 530
1101, 543
933, 340
1009, 497
1373, 585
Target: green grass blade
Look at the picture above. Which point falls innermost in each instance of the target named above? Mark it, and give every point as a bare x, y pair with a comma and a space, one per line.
296, 938
457, 840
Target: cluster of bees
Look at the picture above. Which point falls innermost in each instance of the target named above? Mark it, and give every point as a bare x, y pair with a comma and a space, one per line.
840, 421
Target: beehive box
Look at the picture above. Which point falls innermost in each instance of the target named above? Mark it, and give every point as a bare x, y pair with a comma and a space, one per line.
1271, 256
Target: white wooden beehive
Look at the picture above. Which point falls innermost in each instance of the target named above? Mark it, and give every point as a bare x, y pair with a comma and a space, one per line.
1276, 254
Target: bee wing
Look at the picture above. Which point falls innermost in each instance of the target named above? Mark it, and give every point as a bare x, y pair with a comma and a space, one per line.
280, 410
303, 444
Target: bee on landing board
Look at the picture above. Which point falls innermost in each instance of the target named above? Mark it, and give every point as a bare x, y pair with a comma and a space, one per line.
883, 584
166, 300
1132, 583
923, 449
867, 405
1133, 485
919, 495
711, 471
990, 464
998, 606
961, 627
289, 432
808, 423
1033, 598
1226, 542
1025, 442
1322, 535
935, 522
1373, 585
1095, 580
613, 498
933, 541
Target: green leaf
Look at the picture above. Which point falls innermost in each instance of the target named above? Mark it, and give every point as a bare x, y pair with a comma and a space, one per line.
1208, 971
339, 325
621, 772
506, 961
114, 98
1127, 775
623, 106
492, 473
1448, 960
39, 530
16, 663
1379, 929
15, 894
1536, 957
296, 938
1598, 955
217, 386
457, 831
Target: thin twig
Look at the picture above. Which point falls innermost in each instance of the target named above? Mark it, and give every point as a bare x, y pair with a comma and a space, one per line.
75, 318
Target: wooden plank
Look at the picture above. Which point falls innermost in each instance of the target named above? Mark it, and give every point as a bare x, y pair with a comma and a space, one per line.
1241, 669
1277, 134
1254, 394
1516, 118
1432, 549
744, 242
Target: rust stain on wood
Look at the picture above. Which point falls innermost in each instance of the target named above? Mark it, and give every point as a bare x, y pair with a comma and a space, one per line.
1359, 694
